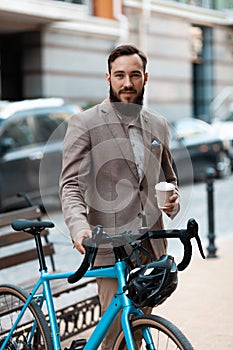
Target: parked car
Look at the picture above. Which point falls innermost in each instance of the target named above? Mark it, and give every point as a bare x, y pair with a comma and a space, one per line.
25, 128
182, 162
224, 128
205, 149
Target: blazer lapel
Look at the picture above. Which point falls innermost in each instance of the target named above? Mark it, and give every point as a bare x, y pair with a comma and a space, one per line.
116, 128
146, 134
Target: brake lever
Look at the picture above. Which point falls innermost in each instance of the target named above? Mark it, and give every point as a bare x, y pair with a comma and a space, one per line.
192, 227
97, 234
200, 246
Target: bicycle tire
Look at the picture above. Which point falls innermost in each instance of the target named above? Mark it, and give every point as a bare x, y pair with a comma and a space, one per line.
164, 333
12, 299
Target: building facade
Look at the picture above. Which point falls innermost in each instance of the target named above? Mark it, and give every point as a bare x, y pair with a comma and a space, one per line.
59, 48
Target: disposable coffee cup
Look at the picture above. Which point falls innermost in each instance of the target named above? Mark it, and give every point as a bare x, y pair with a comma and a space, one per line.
164, 190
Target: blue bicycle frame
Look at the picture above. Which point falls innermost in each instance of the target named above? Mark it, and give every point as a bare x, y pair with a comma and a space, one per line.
119, 303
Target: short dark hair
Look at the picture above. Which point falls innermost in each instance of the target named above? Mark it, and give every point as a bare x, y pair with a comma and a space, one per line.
126, 50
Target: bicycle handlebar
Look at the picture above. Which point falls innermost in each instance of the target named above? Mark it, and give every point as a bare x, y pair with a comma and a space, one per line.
100, 238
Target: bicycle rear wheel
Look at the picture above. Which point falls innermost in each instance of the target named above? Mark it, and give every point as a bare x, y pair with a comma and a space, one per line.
165, 335
12, 299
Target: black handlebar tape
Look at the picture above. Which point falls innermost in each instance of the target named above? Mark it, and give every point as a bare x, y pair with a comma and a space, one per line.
86, 263
187, 255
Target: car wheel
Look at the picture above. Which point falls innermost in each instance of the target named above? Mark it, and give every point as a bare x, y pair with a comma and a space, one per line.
223, 166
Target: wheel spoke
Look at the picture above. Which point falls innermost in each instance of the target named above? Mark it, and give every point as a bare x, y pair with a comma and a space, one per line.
32, 332
163, 335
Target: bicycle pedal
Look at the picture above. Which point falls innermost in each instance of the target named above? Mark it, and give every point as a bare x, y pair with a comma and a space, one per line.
77, 344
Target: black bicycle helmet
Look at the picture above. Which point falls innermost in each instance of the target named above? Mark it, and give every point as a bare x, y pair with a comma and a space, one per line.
151, 284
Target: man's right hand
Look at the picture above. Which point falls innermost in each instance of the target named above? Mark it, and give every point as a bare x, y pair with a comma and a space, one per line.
79, 238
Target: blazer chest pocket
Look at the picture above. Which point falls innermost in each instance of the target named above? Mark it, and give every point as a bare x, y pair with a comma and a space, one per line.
156, 147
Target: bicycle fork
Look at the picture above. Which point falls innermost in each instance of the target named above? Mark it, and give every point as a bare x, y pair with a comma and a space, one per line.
129, 337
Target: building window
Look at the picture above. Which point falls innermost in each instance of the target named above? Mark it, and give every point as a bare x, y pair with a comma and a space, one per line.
202, 3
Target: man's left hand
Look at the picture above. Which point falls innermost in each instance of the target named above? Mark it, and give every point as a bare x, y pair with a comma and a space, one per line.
172, 207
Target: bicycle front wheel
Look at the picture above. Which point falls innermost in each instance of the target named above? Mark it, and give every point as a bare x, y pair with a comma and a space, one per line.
32, 331
163, 335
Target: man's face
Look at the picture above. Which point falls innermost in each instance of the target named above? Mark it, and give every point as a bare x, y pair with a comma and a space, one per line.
127, 79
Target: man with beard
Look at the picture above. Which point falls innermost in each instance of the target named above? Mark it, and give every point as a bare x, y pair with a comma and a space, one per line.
114, 154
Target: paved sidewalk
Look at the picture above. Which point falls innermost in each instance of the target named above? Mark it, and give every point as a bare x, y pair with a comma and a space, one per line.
202, 306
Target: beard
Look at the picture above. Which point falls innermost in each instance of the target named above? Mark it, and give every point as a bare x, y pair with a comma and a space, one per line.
127, 109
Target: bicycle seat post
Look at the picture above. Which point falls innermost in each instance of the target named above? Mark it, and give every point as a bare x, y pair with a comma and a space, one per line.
40, 251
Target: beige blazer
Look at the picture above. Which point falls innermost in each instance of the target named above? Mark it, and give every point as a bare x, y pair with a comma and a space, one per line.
99, 181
